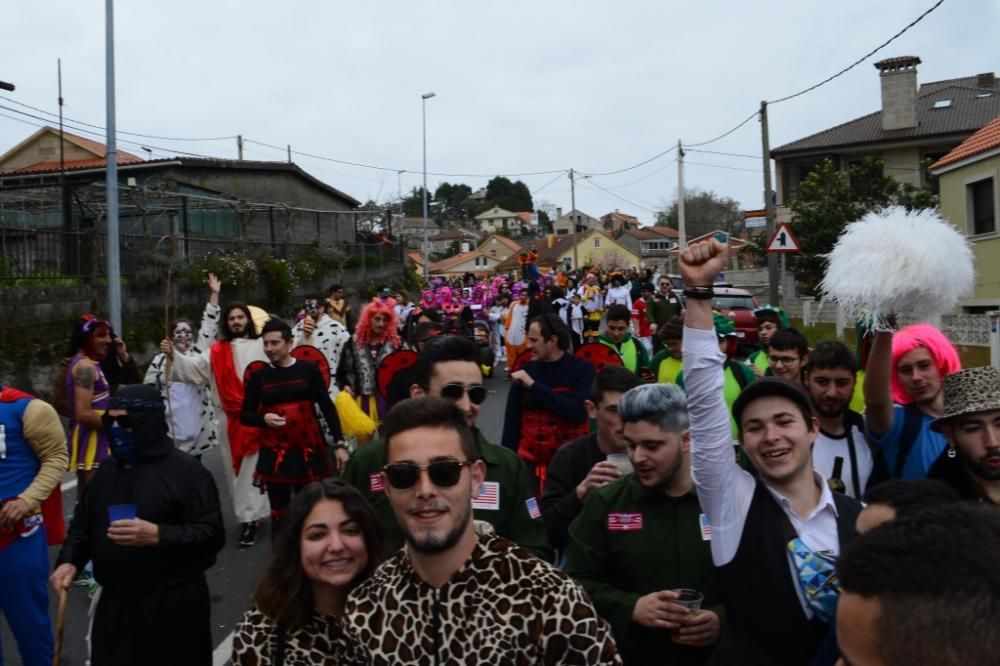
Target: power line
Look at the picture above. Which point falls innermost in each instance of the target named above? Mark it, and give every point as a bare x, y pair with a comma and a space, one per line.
725, 134
634, 166
144, 136
862, 58
620, 198
718, 152
534, 192
720, 166
639, 180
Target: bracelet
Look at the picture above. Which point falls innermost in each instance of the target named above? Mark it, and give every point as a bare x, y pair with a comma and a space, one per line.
700, 293
340, 445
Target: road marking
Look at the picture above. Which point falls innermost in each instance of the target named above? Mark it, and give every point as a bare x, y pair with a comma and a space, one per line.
222, 653
69, 485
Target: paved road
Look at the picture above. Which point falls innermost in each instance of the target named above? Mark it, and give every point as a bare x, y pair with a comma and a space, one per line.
232, 579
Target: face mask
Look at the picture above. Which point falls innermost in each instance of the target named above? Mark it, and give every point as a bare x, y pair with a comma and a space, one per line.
122, 443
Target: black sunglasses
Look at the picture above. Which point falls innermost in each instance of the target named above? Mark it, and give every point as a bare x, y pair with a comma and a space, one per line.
107, 421
477, 393
443, 473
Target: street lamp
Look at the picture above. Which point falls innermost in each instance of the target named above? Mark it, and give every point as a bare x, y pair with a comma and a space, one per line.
423, 113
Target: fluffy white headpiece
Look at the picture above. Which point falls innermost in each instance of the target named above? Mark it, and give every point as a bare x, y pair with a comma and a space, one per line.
915, 264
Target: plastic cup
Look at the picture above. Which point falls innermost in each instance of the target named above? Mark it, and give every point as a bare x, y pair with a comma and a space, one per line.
121, 512
690, 599
621, 459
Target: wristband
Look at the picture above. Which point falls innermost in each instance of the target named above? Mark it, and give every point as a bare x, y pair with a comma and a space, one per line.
699, 293
340, 445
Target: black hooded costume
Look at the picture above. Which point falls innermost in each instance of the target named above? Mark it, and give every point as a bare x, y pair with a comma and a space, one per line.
154, 606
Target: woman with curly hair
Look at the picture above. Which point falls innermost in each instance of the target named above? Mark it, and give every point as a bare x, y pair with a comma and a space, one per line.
375, 337
329, 542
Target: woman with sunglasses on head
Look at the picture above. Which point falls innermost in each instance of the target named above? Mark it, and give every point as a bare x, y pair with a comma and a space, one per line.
329, 542
190, 417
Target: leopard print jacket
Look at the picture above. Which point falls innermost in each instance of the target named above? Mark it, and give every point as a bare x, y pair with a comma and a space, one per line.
318, 643
505, 606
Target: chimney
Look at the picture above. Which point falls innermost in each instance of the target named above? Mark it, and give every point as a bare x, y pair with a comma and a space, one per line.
899, 92
987, 80
558, 213
550, 239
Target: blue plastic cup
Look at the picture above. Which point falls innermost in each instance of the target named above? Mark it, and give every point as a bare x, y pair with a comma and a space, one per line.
121, 512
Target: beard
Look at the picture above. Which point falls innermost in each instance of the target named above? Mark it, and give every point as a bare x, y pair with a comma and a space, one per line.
823, 410
978, 468
431, 544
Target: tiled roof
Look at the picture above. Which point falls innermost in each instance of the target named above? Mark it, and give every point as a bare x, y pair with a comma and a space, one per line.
418, 223
546, 254
653, 233
416, 257
525, 216
453, 234
985, 139
446, 264
74, 165
510, 243
624, 217
970, 109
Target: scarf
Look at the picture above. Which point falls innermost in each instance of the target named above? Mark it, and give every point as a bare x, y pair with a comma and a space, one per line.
243, 440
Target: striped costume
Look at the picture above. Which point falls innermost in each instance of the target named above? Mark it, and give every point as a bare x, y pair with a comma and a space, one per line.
87, 447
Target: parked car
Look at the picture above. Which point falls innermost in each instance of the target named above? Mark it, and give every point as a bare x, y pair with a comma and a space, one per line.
737, 304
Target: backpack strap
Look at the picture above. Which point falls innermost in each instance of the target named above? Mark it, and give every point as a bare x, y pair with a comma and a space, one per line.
912, 421
279, 645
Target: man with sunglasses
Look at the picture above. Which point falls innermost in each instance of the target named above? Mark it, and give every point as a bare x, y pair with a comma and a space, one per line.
151, 522
449, 368
452, 595
776, 536
546, 404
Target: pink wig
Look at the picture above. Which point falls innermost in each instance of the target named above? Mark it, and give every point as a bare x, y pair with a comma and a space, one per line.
363, 330
922, 335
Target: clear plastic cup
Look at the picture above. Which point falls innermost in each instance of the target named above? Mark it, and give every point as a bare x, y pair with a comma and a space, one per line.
621, 459
690, 599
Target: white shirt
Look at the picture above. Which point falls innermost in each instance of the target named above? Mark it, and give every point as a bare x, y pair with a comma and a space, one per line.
724, 489
828, 447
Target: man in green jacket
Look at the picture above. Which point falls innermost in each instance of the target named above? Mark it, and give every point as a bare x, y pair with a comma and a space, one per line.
642, 538
616, 336
449, 368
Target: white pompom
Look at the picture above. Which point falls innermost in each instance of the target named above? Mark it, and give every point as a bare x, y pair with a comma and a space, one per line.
914, 264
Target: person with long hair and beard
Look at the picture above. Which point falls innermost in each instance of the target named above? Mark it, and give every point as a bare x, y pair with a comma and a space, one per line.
376, 336
222, 367
329, 543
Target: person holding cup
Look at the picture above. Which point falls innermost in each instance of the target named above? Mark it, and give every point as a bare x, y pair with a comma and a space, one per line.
151, 522
641, 546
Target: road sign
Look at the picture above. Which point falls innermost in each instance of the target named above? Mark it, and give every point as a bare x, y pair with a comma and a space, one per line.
783, 240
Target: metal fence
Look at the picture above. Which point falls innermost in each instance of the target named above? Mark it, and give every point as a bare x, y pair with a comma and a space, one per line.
34, 255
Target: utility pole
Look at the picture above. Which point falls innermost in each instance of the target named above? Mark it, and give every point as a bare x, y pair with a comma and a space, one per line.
423, 122
572, 217
111, 179
239, 145
772, 260
70, 244
682, 242
289, 153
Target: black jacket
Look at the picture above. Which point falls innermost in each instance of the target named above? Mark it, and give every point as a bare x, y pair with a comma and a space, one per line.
169, 488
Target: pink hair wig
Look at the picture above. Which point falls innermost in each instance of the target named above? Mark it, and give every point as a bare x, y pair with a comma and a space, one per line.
363, 330
922, 335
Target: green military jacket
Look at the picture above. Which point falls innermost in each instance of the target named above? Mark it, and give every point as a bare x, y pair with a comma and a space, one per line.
629, 541
502, 501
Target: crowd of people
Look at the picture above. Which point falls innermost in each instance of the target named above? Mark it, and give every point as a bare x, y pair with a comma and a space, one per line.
655, 497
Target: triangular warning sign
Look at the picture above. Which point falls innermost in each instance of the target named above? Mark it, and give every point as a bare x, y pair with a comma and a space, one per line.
783, 240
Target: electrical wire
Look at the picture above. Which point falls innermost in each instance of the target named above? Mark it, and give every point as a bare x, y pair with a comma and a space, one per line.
634, 166
718, 152
720, 166
616, 196
639, 180
725, 134
862, 58
145, 136
534, 192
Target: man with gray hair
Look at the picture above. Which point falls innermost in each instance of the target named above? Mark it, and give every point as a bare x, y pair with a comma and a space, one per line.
641, 545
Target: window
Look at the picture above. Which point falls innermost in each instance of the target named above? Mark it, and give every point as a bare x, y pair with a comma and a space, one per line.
981, 207
597, 242
942, 104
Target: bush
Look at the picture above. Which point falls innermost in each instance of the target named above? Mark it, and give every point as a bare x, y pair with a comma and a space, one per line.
279, 278
233, 268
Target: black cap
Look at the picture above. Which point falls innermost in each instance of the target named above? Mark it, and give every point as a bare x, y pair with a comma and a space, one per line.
772, 386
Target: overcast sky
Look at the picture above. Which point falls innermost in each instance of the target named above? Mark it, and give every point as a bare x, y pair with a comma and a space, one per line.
521, 86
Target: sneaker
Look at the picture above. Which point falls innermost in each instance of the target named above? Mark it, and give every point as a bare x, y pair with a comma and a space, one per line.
92, 588
248, 534
84, 579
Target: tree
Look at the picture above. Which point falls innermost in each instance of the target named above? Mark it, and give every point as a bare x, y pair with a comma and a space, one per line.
452, 202
704, 212
515, 197
413, 203
829, 199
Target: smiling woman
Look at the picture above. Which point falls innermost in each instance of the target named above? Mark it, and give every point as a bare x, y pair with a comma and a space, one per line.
329, 542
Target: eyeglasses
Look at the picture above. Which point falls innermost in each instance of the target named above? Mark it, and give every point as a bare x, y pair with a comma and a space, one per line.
782, 360
442, 473
477, 392
108, 421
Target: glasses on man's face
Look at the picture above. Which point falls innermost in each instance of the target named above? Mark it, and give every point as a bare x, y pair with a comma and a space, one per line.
782, 360
108, 421
442, 473
477, 392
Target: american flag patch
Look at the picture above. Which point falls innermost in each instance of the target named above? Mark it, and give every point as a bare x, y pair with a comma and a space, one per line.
489, 496
375, 482
624, 522
533, 509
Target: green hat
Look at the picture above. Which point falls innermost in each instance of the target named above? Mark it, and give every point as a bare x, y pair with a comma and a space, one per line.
724, 326
783, 320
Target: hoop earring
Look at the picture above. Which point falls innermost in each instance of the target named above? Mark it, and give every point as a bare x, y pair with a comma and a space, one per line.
952, 452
